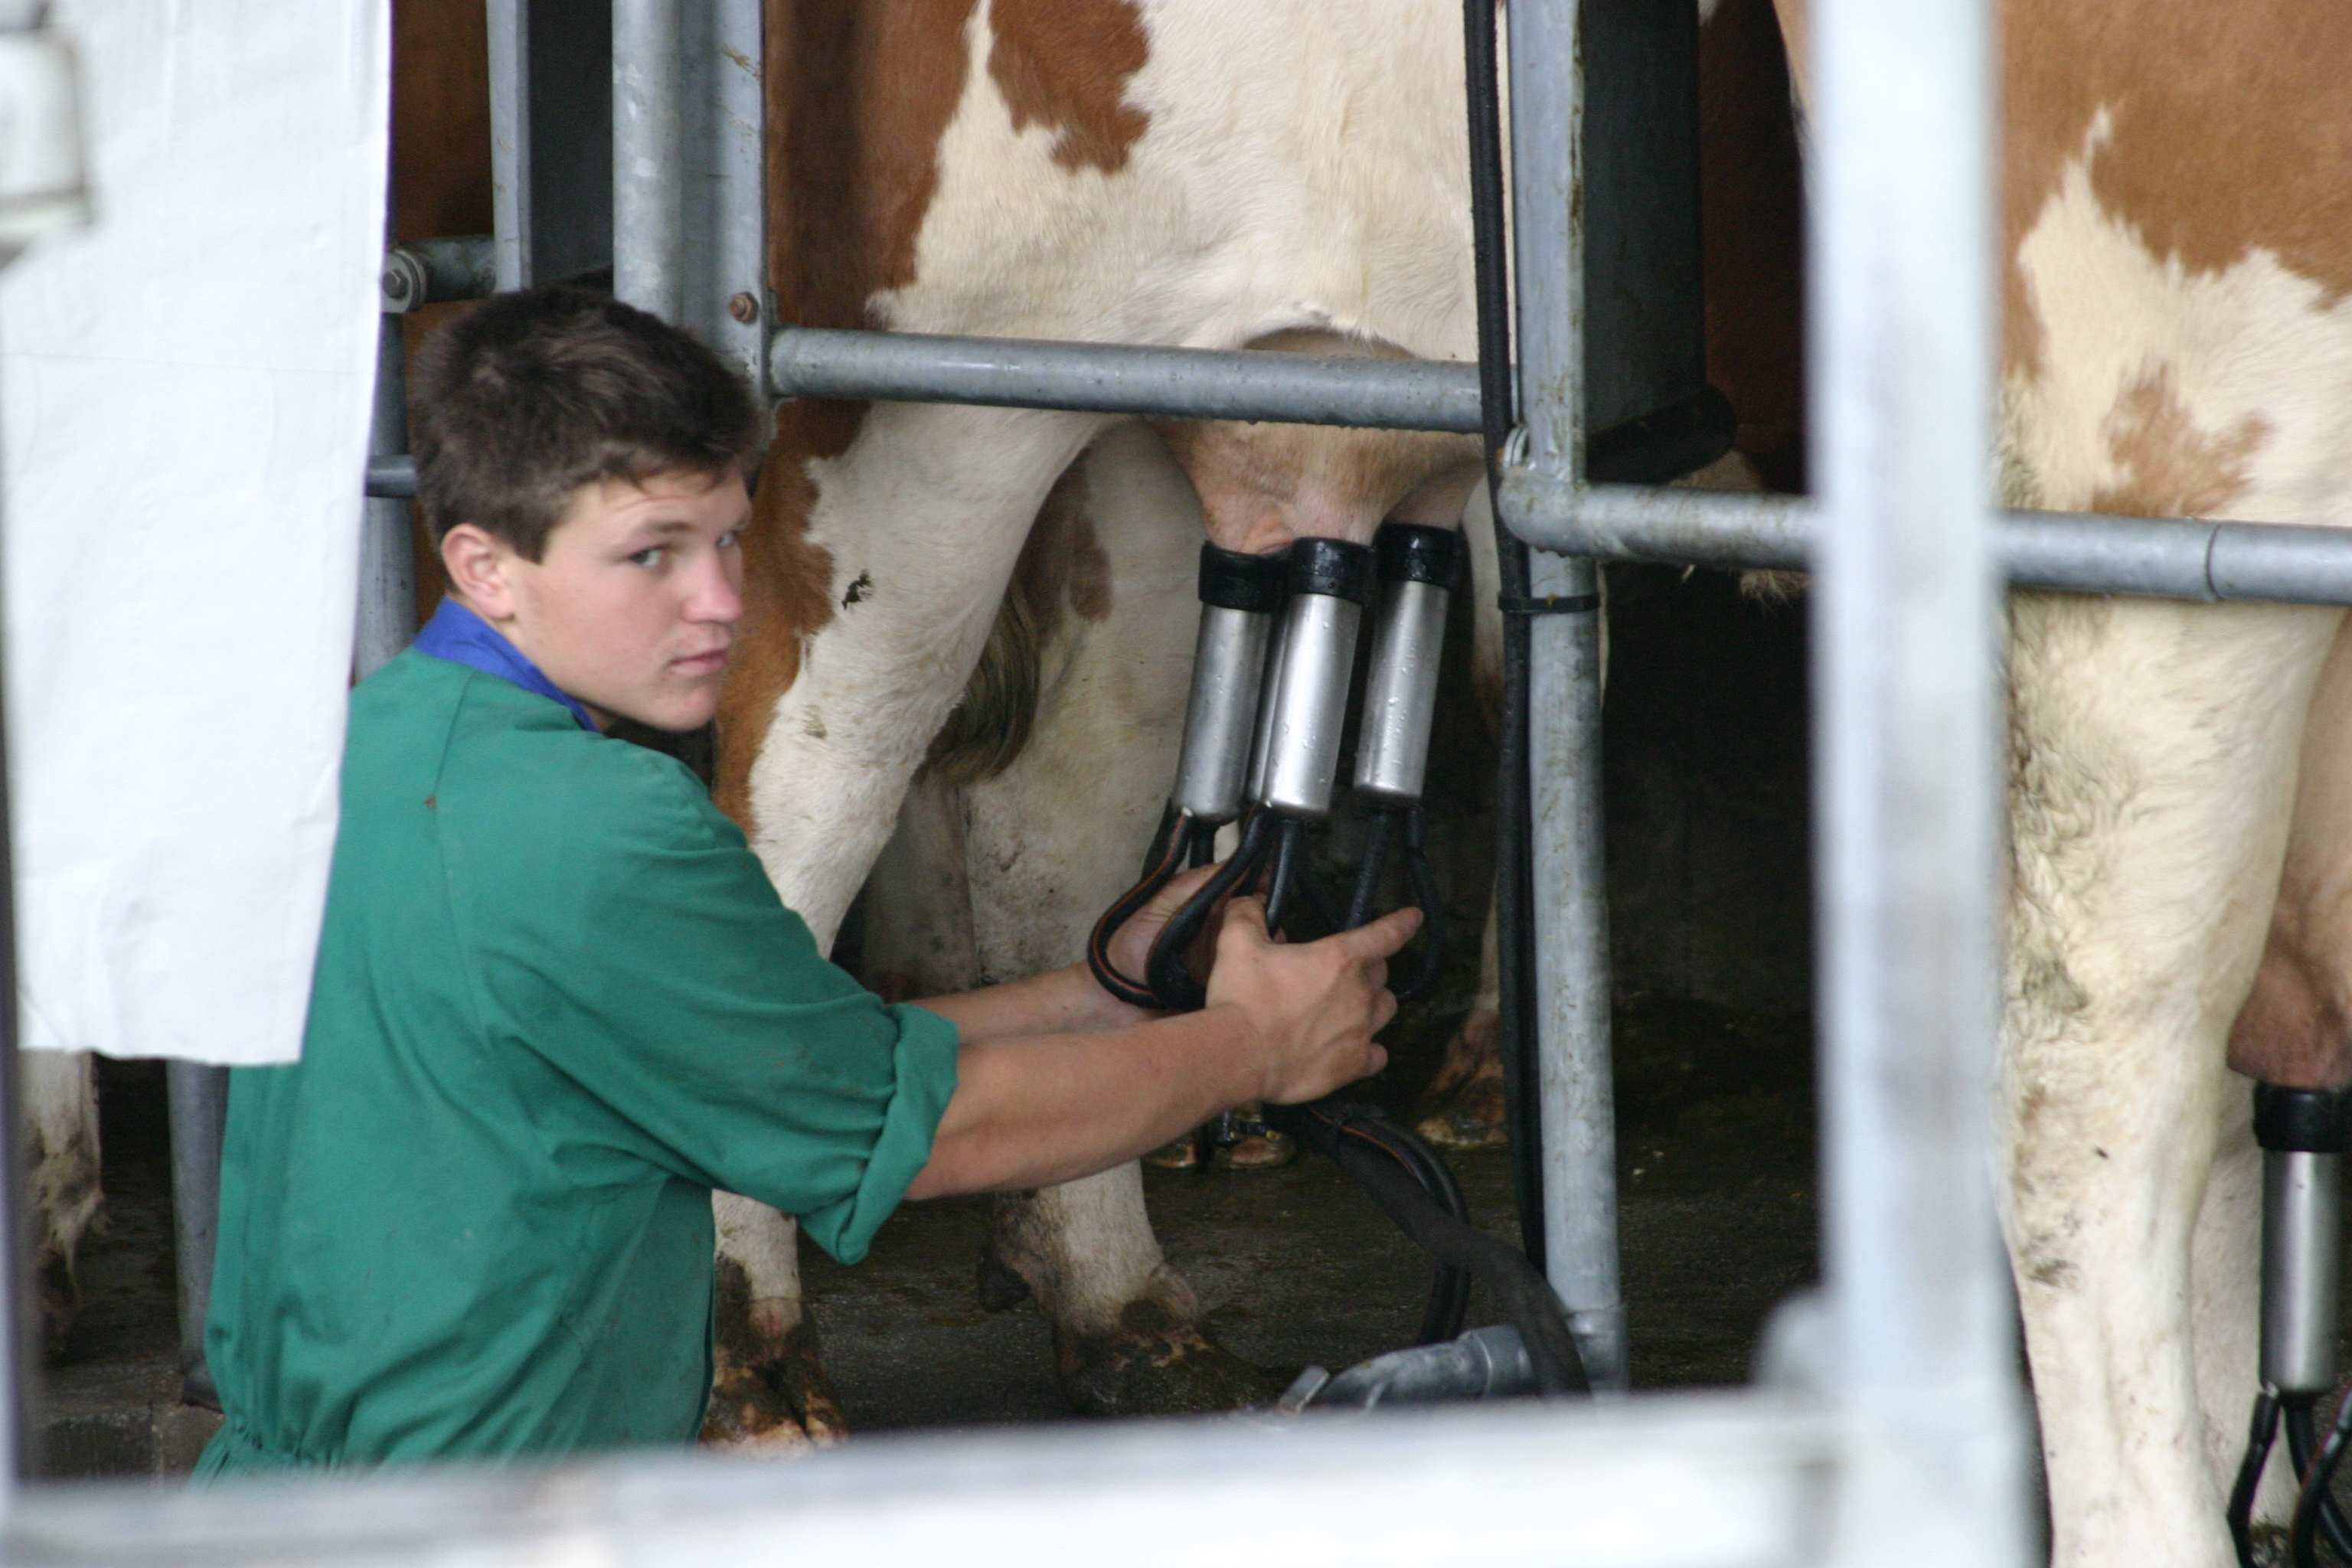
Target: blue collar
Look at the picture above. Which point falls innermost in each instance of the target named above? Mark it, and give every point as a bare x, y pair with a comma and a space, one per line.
461, 636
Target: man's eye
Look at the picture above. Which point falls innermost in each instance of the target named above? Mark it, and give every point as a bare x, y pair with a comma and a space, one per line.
649, 557
731, 538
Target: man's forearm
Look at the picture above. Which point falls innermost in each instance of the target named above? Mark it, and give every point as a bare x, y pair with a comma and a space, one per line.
1054, 1002
1034, 1111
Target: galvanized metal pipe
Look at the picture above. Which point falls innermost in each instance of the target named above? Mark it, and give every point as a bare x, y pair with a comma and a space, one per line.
42, 192
2197, 558
723, 291
1733, 1480
387, 603
1575, 1088
648, 190
1906, 741
1105, 378
1485, 1364
508, 23
198, 1098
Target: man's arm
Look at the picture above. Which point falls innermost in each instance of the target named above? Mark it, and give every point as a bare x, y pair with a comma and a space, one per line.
1054, 1002
1284, 1023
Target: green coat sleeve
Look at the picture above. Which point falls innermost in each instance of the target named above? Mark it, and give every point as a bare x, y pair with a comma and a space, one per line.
634, 950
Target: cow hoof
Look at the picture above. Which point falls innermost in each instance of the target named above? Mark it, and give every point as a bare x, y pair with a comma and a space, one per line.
783, 1406
1463, 1106
1473, 1114
1156, 1363
1177, 1154
1256, 1147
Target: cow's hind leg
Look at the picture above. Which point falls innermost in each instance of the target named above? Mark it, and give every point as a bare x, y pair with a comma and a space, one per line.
2153, 752
1049, 843
61, 1126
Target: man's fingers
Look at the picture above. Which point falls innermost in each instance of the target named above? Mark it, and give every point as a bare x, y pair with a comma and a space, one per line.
1385, 1007
1383, 936
1250, 911
1378, 1057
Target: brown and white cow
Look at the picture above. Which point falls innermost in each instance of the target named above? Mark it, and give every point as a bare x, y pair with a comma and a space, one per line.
2177, 247
1159, 200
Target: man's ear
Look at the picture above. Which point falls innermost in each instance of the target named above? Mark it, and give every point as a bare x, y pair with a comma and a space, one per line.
479, 565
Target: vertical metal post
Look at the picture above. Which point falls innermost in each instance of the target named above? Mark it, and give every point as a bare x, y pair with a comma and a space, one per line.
1905, 734
648, 195
722, 286
1575, 1092
199, 1110
41, 191
509, 44
387, 605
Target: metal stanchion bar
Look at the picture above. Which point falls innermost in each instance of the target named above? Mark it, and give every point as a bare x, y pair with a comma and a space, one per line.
387, 606
1575, 1093
1104, 378
1907, 785
2198, 559
648, 192
722, 293
1721, 1480
198, 1097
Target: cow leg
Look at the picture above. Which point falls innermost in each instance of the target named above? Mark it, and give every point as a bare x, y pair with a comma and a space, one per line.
768, 1388
1464, 1106
2153, 754
60, 1125
909, 561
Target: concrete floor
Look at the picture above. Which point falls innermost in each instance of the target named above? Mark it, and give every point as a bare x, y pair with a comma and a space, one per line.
1295, 1266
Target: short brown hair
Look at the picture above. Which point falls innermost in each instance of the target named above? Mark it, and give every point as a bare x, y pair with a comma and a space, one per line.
529, 397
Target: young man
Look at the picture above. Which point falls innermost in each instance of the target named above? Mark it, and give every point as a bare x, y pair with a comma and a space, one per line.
557, 1002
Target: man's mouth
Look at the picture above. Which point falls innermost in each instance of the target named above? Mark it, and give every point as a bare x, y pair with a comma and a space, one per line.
702, 663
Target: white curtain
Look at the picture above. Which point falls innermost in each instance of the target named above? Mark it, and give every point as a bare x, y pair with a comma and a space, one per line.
185, 389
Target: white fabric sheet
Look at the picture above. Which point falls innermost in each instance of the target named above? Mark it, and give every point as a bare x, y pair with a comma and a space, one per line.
185, 390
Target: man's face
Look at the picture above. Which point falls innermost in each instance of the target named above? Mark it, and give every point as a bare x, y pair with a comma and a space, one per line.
631, 605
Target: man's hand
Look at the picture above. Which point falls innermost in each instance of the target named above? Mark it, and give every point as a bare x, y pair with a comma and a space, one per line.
1313, 1007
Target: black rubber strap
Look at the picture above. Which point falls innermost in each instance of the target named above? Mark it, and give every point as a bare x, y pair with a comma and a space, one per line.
1548, 605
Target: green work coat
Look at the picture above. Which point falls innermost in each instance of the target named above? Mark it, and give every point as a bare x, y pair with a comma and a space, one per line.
557, 1002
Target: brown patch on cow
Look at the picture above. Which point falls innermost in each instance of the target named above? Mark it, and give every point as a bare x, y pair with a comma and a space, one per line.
787, 595
2170, 467
857, 98
1065, 65
2292, 1031
1063, 562
2230, 127
2230, 133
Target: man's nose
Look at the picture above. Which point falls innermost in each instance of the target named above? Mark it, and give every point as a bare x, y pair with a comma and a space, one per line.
717, 597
